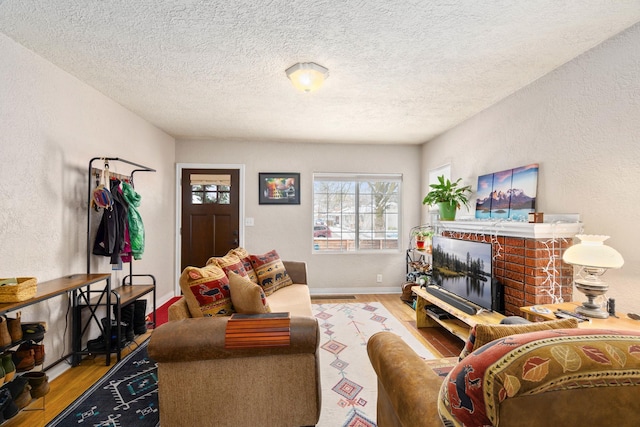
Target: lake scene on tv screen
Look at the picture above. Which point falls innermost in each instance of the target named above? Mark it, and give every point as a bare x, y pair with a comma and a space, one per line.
463, 268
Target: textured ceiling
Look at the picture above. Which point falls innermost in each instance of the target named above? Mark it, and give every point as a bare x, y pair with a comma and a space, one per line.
400, 71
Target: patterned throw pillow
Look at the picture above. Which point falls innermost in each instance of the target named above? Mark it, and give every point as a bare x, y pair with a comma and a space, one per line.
229, 262
270, 271
246, 262
441, 367
247, 297
549, 361
469, 344
482, 334
206, 290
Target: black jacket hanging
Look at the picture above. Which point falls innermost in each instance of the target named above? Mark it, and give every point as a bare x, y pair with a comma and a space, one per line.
121, 209
105, 240
110, 236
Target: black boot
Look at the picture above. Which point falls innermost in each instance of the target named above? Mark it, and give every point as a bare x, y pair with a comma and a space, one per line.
99, 344
126, 321
96, 345
139, 317
114, 334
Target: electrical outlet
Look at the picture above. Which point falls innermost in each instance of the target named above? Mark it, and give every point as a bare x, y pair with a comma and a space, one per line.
379, 278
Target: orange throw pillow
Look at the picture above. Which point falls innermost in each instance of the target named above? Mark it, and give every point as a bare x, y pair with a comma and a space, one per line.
206, 290
247, 297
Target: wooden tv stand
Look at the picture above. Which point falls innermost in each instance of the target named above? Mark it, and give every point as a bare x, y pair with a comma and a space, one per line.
462, 322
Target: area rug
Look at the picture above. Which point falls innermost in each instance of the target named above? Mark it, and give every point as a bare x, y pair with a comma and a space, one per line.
349, 384
126, 396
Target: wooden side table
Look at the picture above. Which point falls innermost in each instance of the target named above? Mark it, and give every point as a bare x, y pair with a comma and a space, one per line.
459, 325
621, 322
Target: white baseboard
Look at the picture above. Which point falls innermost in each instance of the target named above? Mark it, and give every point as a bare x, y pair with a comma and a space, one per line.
317, 291
354, 291
57, 370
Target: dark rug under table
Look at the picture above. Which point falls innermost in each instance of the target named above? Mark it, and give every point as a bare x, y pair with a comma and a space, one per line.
126, 396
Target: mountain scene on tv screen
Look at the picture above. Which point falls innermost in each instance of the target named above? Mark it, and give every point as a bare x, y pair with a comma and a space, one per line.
466, 276
449, 265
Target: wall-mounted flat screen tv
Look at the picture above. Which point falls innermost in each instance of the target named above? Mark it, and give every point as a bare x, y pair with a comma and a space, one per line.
463, 268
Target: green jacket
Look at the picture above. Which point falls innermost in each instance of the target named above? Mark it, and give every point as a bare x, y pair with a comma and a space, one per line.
136, 227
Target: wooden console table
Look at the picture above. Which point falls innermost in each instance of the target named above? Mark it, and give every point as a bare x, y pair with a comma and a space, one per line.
459, 325
621, 322
56, 287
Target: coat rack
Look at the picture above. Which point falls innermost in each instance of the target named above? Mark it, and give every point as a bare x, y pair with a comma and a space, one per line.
108, 297
91, 174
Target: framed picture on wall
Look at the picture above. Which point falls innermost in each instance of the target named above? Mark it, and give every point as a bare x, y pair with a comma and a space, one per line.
508, 194
281, 188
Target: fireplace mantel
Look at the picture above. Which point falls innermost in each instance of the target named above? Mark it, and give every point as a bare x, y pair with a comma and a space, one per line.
527, 257
555, 226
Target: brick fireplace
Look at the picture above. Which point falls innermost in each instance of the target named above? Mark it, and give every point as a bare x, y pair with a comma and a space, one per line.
527, 258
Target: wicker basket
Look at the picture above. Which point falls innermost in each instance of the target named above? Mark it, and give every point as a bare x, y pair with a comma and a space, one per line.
24, 290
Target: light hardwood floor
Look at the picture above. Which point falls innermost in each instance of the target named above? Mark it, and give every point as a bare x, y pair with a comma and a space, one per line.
73, 382
437, 340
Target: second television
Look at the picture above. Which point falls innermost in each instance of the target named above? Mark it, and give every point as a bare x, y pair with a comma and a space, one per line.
463, 268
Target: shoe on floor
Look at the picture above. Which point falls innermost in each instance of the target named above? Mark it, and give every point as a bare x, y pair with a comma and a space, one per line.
33, 331
8, 408
39, 382
24, 360
38, 351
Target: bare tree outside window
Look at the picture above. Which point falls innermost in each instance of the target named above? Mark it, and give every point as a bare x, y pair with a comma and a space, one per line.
356, 213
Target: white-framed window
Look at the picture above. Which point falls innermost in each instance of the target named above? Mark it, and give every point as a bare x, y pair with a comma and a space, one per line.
210, 189
356, 212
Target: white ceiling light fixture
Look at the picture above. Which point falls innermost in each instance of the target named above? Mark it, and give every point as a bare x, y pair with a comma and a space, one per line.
307, 76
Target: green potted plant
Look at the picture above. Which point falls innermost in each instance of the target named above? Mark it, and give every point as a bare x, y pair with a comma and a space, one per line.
423, 237
448, 196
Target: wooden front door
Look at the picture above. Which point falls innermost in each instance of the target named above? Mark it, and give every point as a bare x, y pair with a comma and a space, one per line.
210, 214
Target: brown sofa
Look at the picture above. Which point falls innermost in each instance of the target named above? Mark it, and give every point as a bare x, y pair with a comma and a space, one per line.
201, 383
567, 377
294, 299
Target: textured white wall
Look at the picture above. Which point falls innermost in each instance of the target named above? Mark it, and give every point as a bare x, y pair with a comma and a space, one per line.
581, 123
51, 125
288, 228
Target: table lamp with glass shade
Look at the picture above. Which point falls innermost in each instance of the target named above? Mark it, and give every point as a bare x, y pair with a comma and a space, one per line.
594, 258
